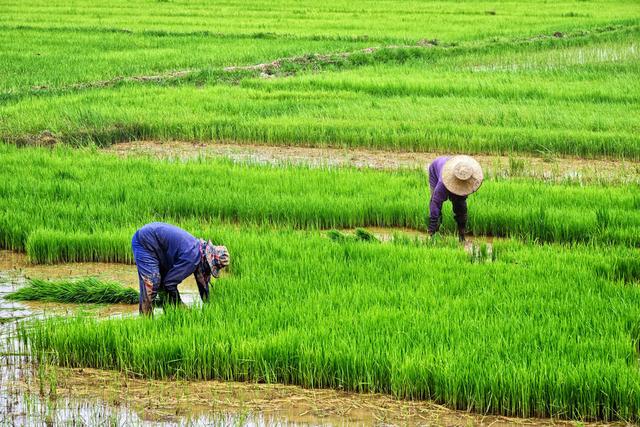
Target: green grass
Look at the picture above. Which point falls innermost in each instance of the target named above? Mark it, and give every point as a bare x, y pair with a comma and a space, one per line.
494, 83
379, 19
98, 55
530, 329
540, 331
83, 291
75, 205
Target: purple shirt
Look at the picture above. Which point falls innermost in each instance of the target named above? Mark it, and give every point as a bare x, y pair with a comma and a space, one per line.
440, 194
177, 251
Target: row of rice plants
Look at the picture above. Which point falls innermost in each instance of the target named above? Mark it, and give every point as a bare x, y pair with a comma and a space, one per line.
75, 205
412, 20
540, 331
95, 56
323, 118
103, 55
575, 97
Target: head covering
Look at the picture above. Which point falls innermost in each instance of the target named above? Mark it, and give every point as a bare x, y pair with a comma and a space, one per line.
462, 175
217, 258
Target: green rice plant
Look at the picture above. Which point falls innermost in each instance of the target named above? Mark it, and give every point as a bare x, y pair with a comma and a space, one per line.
482, 252
365, 235
516, 166
338, 236
529, 91
360, 234
538, 332
49, 246
81, 205
83, 291
623, 268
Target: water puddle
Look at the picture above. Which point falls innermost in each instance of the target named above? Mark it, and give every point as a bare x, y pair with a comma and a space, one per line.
45, 395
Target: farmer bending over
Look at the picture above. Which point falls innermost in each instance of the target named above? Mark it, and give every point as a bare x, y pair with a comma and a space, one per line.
452, 178
166, 255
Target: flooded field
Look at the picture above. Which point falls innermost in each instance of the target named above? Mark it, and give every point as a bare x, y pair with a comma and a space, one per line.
32, 394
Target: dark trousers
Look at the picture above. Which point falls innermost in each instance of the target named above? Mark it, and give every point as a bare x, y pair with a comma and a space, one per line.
148, 275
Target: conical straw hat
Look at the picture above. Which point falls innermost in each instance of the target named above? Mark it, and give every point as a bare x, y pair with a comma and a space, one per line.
462, 175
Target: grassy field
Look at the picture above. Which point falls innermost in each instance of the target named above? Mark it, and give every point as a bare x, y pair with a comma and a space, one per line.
84, 205
542, 330
532, 78
547, 324
378, 20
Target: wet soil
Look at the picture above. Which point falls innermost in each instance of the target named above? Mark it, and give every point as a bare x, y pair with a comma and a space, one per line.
263, 404
548, 168
19, 264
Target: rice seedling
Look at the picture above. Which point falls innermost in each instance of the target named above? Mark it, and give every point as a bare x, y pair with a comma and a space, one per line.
482, 252
516, 166
338, 236
574, 94
85, 206
546, 335
365, 235
84, 291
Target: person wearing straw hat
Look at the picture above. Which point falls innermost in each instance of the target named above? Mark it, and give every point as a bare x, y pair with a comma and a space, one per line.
165, 255
452, 178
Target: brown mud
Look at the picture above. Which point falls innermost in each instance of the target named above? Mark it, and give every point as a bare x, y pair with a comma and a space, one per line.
18, 263
546, 167
169, 401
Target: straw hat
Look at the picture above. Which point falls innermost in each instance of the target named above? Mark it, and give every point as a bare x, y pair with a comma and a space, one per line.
462, 175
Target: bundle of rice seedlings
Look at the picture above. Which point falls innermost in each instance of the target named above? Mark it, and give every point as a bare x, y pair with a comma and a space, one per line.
83, 291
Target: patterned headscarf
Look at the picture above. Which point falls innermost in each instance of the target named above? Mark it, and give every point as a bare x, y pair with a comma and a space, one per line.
216, 257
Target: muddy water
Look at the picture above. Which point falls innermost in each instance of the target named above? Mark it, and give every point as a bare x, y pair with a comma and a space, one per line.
32, 395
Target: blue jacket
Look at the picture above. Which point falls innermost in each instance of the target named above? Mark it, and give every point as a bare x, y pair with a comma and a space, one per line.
177, 251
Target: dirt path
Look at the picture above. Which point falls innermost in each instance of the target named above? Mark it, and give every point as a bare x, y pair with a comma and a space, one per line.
545, 168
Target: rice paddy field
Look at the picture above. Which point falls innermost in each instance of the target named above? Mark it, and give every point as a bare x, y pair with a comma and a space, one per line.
334, 285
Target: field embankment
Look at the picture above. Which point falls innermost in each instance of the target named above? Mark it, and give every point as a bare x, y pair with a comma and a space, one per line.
543, 167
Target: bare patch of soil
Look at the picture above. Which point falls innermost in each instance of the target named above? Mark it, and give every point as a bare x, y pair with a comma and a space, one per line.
547, 168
